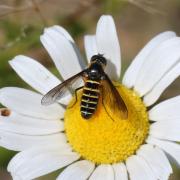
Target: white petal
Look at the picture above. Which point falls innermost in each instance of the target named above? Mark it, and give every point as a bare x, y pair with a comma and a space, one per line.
168, 130
166, 110
158, 89
21, 124
133, 70
157, 64
29, 103
103, 172
15, 177
157, 161
139, 169
90, 46
63, 31
80, 170
170, 147
34, 73
19, 142
62, 52
120, 171
32, 152
108, 45
32, 164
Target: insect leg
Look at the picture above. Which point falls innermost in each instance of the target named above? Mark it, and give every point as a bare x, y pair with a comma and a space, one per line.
75, 96
104, 104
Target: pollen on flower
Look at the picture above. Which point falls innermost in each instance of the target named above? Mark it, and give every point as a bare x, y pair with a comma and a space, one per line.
102, 140
5, 112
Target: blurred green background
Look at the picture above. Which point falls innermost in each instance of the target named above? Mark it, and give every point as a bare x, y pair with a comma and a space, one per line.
22, 22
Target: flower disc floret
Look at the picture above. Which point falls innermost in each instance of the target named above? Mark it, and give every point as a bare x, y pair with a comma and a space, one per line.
103, 140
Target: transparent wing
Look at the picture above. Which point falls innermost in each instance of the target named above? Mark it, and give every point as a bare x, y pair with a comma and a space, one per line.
112, 100
62, 89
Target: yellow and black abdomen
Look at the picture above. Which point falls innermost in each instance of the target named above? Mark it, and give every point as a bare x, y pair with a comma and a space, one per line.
90, 97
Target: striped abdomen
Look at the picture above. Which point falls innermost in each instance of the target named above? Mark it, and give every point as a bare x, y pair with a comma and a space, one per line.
90, 97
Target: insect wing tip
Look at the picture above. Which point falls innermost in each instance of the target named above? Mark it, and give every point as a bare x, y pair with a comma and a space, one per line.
44, 101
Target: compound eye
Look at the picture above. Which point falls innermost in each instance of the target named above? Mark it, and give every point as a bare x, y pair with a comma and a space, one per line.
94, 58
102, 60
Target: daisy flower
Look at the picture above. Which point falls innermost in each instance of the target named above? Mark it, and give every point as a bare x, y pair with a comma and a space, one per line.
54, 137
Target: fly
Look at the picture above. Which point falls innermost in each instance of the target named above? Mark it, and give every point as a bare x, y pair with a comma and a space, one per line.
96, 84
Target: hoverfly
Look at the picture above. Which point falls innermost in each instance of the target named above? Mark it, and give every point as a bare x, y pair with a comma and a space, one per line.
96, 84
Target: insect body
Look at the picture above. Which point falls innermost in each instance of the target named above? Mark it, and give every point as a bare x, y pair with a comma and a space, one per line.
96, 84
90, 97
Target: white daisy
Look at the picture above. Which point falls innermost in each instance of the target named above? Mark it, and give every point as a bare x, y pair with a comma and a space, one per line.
99, 148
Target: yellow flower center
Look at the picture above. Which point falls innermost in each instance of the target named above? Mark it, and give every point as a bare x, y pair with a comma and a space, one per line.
102, 140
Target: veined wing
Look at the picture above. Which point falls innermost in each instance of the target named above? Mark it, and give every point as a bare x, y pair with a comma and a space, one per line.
112, 100
60, 90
